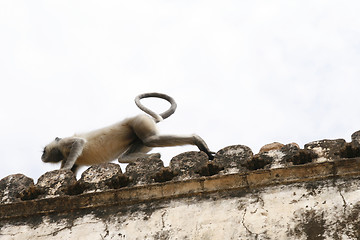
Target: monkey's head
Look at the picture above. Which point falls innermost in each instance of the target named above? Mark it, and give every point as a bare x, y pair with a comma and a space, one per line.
52, 152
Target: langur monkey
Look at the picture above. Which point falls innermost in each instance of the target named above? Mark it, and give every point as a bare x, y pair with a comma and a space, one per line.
126, 140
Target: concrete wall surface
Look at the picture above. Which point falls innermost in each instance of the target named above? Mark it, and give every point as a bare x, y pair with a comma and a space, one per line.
326, 209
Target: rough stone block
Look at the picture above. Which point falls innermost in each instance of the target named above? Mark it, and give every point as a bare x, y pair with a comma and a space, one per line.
277, 155
327, 150
269, 156
234, 158
185, 165
56, 182
271, 146
355, 137
101, 177
143, 170
12, 185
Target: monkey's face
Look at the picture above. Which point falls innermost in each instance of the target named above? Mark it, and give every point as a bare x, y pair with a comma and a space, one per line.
52, 153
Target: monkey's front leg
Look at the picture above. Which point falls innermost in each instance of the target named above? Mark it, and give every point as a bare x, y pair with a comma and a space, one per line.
75, 151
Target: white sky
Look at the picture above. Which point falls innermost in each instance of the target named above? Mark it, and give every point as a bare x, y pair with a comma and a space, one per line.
242, 72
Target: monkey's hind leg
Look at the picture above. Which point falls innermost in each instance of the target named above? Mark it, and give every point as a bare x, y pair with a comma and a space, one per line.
135, 151
174, 140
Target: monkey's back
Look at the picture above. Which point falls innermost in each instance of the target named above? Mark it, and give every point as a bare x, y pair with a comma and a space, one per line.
106, 144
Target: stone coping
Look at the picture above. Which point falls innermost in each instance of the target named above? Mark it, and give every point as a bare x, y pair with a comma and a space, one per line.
244, 181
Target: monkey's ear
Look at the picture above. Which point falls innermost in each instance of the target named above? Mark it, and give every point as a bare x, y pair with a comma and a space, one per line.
57, 139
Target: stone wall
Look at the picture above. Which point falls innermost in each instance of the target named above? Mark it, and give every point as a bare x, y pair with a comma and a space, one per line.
282, 192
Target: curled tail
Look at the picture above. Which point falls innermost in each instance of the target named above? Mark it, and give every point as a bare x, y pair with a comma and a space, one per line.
156, 116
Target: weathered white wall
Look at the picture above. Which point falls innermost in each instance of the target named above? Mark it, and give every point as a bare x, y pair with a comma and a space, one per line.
328, 209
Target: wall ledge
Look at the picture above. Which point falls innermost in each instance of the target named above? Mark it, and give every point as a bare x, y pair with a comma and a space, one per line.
341, 168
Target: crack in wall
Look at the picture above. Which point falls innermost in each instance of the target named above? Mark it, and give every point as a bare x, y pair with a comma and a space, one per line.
54, 233
343, 198
243, 223
256, 235
107, 232
162, 219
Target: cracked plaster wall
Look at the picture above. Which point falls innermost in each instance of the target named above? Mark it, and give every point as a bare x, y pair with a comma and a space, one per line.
312, 210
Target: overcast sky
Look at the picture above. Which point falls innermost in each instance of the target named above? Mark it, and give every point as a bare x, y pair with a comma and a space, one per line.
246, 72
